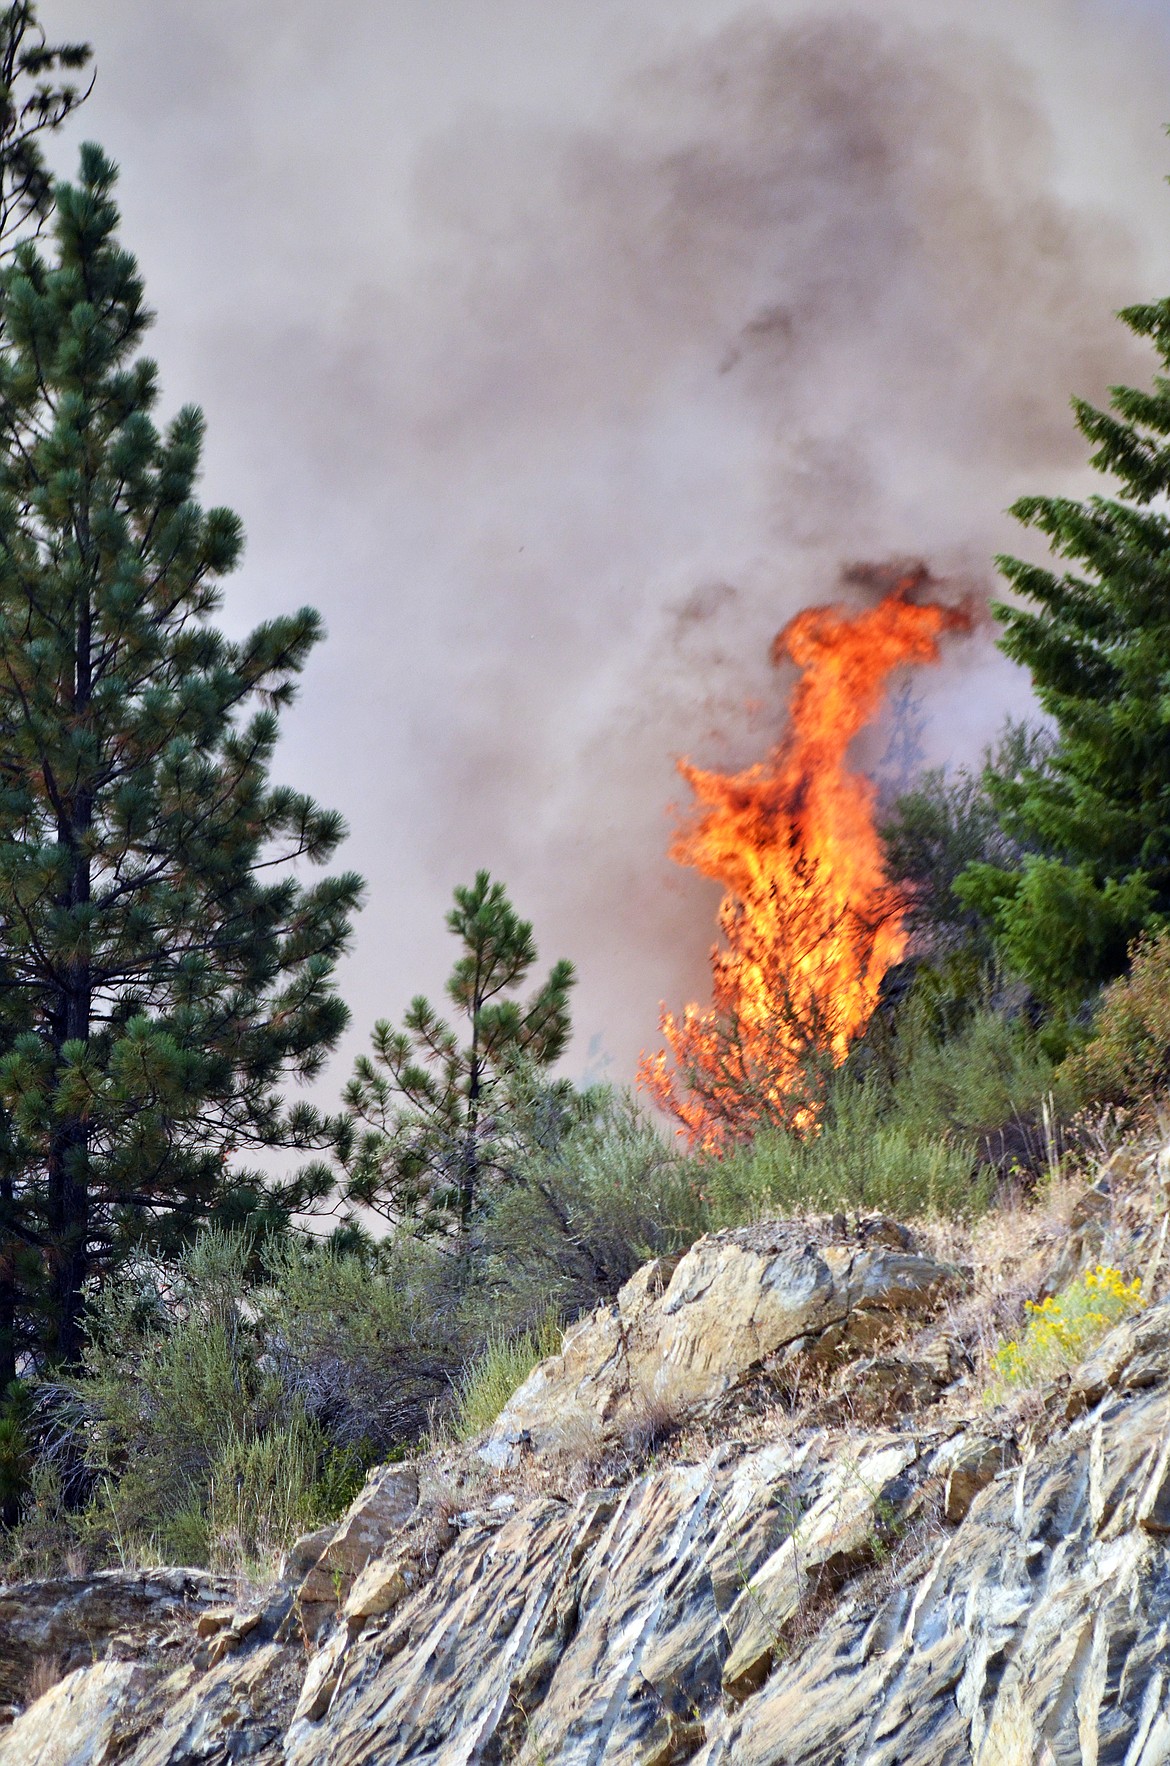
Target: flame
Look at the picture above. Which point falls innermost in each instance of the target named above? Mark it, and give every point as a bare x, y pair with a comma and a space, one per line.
810, 921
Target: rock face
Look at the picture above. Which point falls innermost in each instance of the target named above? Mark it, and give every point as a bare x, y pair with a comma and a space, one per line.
68, 1620
922, 1594
680, 1334
378, 1512
800, 1603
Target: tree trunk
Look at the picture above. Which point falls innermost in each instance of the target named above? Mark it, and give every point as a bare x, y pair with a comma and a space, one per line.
68, 1200
9, 1258
68, 1237
68, 1175
469, 1176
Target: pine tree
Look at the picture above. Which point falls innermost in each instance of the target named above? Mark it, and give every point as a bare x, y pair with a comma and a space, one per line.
36, 97
432, 1115
1096, 639
163, 969
35, 100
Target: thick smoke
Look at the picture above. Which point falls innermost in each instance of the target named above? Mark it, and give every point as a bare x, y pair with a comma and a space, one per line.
559, 428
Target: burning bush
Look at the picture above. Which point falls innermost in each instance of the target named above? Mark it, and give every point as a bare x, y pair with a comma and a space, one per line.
810, 920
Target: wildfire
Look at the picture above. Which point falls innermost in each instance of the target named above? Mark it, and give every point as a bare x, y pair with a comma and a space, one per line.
810, 921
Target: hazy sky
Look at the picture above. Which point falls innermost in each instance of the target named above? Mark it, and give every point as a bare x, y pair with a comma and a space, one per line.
557, 353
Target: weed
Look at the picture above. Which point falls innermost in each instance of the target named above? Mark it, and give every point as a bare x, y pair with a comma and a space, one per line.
1060, 1330
495, 1375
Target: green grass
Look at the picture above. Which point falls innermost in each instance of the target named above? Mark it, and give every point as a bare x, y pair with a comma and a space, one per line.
498, 1371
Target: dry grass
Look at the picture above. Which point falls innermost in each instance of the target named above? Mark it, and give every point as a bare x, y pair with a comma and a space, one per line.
45, 1673
649, 1425
580, 1462
498, 1372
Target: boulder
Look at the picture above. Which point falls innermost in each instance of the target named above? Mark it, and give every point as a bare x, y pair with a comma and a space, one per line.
304, 1552
387, 1581
137, 1715
969, 1463
879, 1388
88, 1716
856, 1508
1134, 1355
374, 1518
680, 1335
798, 1598
1084, 1242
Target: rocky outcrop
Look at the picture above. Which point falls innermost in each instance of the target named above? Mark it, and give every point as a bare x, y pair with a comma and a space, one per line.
682, 1332
802, 1602
335, 1556
933, 1590
66, 1621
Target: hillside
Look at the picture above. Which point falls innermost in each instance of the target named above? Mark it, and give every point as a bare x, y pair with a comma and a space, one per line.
775, 1505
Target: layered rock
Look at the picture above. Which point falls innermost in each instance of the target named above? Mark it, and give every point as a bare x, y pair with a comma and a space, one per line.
927, 1593
65, 1621
805, 1601
335, 1556
682, 1332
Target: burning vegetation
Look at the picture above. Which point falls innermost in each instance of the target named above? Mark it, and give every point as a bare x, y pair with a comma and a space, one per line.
810, 920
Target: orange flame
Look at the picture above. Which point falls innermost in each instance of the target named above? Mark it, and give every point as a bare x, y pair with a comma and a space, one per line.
810, 921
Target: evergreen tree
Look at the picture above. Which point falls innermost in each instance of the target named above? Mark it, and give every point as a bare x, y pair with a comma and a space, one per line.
36, 97
35, 100
431, 1115
945, 823
163, 970
1097, 641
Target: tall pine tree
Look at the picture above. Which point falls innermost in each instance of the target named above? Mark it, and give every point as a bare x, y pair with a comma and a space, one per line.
37, 95
431, 1109
1096, 639
164, 970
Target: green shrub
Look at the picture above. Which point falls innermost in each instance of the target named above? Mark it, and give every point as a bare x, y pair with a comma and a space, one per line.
972, 1077
1127, 1059
580, 1217
498, 1371
363, 1342
906, 1118
859, 1159
215, 1419
48, 1533
909, 1122
170, 1377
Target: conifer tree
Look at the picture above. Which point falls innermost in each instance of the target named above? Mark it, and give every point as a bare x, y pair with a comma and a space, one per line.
35, 99
1096, 638
431, 1114
163, 969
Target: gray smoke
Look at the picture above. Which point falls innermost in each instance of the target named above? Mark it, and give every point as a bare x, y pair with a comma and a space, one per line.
559, 355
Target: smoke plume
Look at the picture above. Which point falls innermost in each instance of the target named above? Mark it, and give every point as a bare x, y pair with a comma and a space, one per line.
561, 381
